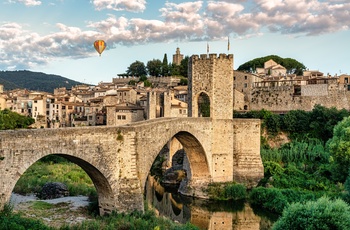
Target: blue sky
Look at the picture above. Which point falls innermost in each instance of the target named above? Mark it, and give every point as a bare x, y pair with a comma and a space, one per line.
56, 36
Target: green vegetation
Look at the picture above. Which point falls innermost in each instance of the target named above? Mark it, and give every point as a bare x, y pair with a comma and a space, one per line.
137, 68
135, 220
24, 79
321, 214
312, 169
157, 68
298, 124
292, 65
227, 191
339, 147
13, 120
47, 170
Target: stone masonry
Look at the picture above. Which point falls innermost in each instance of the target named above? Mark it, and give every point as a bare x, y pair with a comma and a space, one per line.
118, 158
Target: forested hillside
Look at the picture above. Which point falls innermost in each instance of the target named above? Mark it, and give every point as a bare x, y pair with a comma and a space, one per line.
34, 81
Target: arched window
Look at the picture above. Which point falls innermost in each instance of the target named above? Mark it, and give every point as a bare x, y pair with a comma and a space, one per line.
203, 105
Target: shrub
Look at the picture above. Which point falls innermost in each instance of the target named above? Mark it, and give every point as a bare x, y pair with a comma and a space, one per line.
347, 189
235, 191
321, 214
226, 191
271, 199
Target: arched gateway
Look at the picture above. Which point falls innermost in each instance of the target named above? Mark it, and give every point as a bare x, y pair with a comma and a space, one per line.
118, 159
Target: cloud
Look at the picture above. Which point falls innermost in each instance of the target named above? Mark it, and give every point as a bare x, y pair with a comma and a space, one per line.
189, 21
27, 2
300, 17
119, 5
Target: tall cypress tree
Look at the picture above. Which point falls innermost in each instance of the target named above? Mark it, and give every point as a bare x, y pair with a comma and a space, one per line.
165, 66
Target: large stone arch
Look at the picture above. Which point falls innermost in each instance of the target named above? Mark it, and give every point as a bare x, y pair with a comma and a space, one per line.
184, 131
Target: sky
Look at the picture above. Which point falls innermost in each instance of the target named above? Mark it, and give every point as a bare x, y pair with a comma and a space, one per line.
57, 36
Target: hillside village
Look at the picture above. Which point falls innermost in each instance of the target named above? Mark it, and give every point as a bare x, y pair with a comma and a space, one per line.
119, 103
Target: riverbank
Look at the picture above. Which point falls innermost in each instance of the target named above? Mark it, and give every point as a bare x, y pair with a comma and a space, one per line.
55, 212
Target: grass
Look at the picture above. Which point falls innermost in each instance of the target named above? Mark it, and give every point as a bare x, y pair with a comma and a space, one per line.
77, 181
41, 205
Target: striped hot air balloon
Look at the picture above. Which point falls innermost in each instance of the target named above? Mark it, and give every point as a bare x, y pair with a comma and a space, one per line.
100, 46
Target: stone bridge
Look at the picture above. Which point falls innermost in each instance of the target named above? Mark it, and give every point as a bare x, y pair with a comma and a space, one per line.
118, 159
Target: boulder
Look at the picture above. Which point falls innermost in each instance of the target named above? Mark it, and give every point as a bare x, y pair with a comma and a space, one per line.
52, 190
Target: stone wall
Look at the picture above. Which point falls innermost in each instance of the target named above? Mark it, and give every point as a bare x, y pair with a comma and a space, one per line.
283, 98
247, 164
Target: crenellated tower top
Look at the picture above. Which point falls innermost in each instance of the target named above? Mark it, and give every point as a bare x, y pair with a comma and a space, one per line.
211, 75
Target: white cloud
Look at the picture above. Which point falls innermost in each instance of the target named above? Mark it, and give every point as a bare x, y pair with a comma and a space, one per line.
188, 21
27, 2
119, 5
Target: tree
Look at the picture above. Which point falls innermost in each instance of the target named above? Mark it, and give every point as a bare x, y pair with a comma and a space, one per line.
136, 68
165, 66
339, 148
184, 67
323, 120
154, 67
296, 123
175, 70
321, 214
12, 120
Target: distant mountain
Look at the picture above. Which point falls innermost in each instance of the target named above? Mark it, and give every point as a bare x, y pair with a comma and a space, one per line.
36, 81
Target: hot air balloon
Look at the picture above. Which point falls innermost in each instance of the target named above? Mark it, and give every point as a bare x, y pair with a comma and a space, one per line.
100, 46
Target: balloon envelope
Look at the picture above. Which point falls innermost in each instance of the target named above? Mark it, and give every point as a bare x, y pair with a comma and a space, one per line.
100, 46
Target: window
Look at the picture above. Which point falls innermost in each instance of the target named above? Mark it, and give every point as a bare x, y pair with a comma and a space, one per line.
245, 77
245, 85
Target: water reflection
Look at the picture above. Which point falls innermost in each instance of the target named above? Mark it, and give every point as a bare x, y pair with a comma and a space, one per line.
205, 214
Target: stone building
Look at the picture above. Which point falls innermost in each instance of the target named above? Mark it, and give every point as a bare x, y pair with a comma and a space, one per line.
271, 68
177, 57
124, 113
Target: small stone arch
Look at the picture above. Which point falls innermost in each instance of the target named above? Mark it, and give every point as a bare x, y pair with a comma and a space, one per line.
202, 104
103, 188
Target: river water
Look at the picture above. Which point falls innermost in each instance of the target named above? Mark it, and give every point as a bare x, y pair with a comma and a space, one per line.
206, 214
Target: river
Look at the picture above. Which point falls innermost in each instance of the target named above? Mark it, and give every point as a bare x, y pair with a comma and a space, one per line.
206, 214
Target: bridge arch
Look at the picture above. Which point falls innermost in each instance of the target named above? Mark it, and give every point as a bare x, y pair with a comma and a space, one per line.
199, 168
101, 183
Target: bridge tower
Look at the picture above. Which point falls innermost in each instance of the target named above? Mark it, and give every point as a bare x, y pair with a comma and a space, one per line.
212, 76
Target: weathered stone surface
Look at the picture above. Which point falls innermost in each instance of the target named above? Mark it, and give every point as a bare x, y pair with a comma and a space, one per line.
52, 190
119, 159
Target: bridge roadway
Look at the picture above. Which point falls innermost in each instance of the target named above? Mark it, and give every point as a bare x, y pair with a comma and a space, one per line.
118, 158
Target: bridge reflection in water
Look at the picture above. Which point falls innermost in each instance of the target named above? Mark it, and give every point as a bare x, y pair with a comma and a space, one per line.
205, 214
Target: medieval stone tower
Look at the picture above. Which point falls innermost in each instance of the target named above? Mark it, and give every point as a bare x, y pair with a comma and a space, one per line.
213, 76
